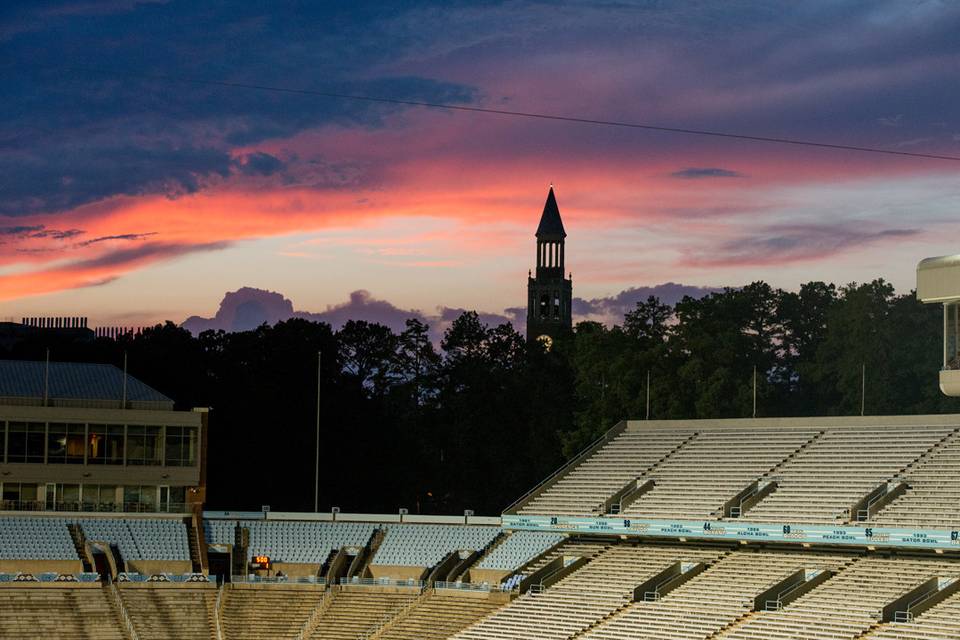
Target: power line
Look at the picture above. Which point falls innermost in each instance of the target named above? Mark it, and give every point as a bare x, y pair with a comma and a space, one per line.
518, 114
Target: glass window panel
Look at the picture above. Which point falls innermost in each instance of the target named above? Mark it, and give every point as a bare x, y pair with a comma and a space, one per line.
96, 445
70, 496
131, 498
108, 497
113, 449
17, 442
57, 443
173, 449
28, 492
11, 491
189, 446
148, 498
36, 441
76, 443
152, 445
178, 498
91, 496
135, 445
3, 440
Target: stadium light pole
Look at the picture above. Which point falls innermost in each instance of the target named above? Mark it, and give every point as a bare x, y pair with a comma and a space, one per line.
648, 394
863, 387
316, 474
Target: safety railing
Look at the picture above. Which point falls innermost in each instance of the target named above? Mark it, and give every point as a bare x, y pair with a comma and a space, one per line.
610, 434
382, 582
92, 507
122, 609
217, 606
315, 615
466, 586
251, 578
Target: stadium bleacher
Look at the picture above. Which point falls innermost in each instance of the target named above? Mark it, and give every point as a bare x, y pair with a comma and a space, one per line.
305, 542
518, 548
575, 560
418, 545
35, 538
166, 611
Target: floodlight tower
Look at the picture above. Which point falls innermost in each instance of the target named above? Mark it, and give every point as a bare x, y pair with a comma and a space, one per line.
938, 280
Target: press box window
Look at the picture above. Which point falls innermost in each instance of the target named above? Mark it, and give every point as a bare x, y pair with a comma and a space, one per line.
105, 444
181, 447
144, 445
65, 443
25, 441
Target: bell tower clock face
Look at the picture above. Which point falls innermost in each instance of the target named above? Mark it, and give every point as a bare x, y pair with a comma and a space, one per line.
546, 341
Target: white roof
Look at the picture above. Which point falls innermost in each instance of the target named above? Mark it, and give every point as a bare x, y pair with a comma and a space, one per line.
938, 279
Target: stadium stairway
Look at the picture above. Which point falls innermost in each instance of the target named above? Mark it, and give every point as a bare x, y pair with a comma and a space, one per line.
60, 611
163, 611
271, 611
439, 614
358, 612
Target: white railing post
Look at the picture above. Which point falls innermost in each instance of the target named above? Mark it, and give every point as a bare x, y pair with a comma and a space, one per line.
216, 612
121, 607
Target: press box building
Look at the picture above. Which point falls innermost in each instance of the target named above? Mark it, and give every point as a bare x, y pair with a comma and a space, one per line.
88, 437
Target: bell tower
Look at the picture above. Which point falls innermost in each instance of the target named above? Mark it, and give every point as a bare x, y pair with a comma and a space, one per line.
549, 293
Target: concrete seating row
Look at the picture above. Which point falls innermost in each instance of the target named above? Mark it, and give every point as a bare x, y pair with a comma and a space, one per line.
941, 622
713, 467
844, 606
714, 599
267, 612
59, 613
169, 612
933, 497
826, 479
583, 598
440, 614
354, 612
627, 456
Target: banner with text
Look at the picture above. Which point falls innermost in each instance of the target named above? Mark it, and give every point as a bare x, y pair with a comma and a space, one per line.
712, 530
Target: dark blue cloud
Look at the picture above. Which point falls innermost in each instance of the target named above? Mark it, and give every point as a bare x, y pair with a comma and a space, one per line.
693, 173
259, 164
87, 116
836, 72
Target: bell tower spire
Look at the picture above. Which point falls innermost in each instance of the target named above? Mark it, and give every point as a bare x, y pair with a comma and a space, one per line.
549, 293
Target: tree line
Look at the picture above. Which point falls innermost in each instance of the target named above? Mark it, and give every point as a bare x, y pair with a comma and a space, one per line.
474, 422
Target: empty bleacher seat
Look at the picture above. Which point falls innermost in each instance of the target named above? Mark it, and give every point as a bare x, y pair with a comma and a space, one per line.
424, 545
305, 542
140, 538
35, 538
518, 548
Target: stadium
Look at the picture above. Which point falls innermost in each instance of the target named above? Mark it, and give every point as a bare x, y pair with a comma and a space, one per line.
737, 528
675, 450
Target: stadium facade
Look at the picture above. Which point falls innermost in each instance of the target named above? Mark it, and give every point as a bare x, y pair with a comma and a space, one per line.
89, 437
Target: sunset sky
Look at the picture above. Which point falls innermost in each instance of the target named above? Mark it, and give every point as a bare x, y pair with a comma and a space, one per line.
130, 195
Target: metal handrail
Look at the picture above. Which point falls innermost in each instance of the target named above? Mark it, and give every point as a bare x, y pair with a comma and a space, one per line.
122, 608
318, 611
381, 582
216, 612
255, 579
571, 462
